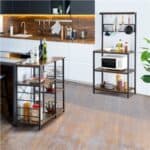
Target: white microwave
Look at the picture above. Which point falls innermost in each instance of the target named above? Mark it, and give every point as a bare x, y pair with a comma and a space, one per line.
118, 62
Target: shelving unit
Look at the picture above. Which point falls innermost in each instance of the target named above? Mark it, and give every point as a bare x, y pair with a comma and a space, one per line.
128, 72
46, 92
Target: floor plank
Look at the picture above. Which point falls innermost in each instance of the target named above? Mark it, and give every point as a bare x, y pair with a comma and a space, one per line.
91, 122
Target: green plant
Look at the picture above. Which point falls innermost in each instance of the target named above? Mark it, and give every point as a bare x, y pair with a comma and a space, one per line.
145, 58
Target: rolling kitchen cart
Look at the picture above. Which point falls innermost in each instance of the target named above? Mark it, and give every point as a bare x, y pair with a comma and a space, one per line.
39, 91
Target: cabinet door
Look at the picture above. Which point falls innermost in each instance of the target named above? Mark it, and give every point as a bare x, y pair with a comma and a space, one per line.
63, 6
25, 7
59, 5
6, 7
40, 7
82, 6
21, 7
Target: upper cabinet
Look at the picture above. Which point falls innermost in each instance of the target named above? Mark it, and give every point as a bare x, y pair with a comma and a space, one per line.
47, 7
20, 7
82, 6
40, 7
6, 7
60, 6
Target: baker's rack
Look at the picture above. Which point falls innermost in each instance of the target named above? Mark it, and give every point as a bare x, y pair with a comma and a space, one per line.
40, 90
97, 88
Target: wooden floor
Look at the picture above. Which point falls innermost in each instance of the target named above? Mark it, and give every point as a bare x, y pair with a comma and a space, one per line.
91, 122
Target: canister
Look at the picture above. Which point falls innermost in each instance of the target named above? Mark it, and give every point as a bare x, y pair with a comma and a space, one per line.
35, 113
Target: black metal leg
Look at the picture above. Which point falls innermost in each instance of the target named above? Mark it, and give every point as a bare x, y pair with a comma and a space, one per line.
63, 70
94, 72
40, 98
43, 94
128, 77
135, 55
34, 87
55, 96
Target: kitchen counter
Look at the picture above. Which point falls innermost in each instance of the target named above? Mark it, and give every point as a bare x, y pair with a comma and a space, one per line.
48, 38
11, 61
8, 67
12, 58
8, 61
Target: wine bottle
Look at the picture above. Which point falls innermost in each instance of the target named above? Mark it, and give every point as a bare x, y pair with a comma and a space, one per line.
41, 50
44, 50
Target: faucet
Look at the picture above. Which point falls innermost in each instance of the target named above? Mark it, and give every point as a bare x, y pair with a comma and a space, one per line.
24, 27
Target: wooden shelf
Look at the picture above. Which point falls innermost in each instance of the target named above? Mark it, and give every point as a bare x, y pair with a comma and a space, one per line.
29, 83
100, 89
117, 13
113, 52
27, 63
126, 71
110, 24
116, 31
46, 117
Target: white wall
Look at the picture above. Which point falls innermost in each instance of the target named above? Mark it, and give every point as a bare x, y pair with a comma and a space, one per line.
79, 56
143, 29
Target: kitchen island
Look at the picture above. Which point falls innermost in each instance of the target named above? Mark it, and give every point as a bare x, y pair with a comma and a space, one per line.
34, 91
7, 68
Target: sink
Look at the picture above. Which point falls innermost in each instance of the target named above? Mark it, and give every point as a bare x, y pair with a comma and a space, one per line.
22, 35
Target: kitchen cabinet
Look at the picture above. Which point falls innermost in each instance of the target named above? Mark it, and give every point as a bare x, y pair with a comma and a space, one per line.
47, 7
60, 6
82, 6
40, 7
25, 7
21, 7
8, 69
6, 7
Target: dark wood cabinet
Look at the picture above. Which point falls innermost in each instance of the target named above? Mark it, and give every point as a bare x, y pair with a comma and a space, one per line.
47, 6
21, 7
62, 6
82, 6
40, 7
6, 7
25, 7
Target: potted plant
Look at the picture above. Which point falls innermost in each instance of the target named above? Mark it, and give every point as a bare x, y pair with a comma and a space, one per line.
145, 58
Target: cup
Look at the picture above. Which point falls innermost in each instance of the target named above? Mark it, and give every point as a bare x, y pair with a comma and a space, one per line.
55, 10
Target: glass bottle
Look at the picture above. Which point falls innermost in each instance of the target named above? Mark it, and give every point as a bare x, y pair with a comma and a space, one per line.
126, 47
44, 50
40, 50
119, 46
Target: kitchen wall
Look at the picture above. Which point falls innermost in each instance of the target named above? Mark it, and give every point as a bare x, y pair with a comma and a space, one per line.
143, 29
79, 56
40, 26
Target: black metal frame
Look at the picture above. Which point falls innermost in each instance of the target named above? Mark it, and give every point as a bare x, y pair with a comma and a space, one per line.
102, 52
40, 86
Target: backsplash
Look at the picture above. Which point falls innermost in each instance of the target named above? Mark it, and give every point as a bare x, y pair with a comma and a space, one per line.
42, 25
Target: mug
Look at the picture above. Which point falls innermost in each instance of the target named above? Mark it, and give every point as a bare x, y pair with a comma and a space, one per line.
55, 10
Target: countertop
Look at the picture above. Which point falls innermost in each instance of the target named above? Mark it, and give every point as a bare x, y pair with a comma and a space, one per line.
48, 38
7, 57
22, 59
4, 60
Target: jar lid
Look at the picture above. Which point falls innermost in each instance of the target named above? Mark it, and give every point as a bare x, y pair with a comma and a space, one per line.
35, 106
